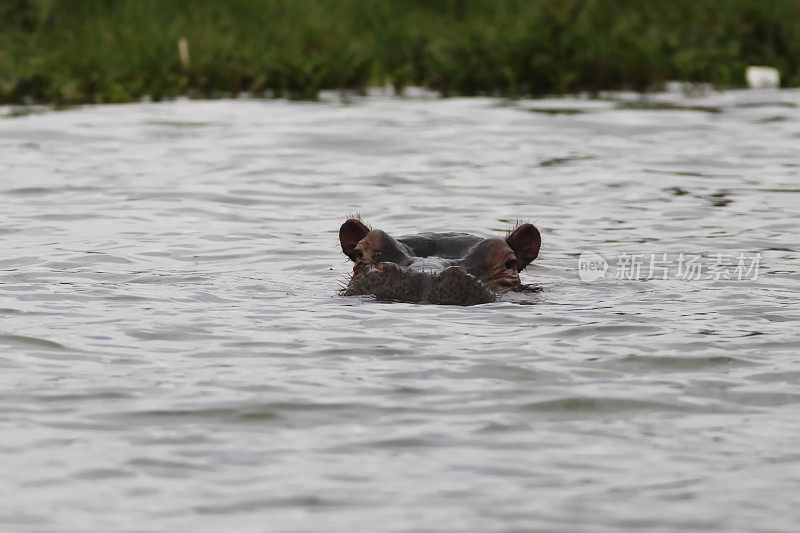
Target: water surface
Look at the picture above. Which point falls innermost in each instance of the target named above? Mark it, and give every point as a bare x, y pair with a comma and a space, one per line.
175, 355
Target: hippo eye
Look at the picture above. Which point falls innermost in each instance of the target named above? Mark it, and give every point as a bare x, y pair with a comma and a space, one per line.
511, 263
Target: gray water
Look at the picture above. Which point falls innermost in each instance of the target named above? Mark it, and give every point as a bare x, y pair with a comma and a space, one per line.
175, 355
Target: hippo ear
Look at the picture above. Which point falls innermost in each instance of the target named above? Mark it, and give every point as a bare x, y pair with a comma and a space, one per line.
525, 241
350, 233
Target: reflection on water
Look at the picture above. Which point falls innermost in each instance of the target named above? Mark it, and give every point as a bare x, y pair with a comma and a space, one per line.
175, 354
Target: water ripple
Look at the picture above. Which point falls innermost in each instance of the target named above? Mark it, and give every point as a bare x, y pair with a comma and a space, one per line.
176, 354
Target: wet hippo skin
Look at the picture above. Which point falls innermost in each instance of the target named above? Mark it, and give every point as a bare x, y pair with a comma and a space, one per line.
439, 268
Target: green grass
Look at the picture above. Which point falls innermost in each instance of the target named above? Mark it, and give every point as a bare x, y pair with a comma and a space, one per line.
119, 50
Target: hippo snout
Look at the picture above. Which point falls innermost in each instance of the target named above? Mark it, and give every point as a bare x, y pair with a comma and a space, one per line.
391, 282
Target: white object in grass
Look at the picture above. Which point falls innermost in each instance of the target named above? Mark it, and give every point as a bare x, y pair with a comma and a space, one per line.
762, 77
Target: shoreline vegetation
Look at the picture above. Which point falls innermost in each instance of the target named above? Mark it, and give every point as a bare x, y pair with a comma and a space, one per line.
96, 51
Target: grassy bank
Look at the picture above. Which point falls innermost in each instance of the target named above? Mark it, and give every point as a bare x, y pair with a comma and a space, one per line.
119, 50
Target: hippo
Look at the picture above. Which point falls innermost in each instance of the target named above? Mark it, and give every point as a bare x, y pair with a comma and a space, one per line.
437, 268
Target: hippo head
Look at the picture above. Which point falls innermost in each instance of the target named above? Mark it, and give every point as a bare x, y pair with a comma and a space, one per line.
445, 268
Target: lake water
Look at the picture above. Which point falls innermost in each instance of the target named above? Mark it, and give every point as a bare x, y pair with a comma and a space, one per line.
175, 355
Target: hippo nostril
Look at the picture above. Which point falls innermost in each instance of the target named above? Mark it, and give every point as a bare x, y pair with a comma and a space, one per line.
387, 267
454, 271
